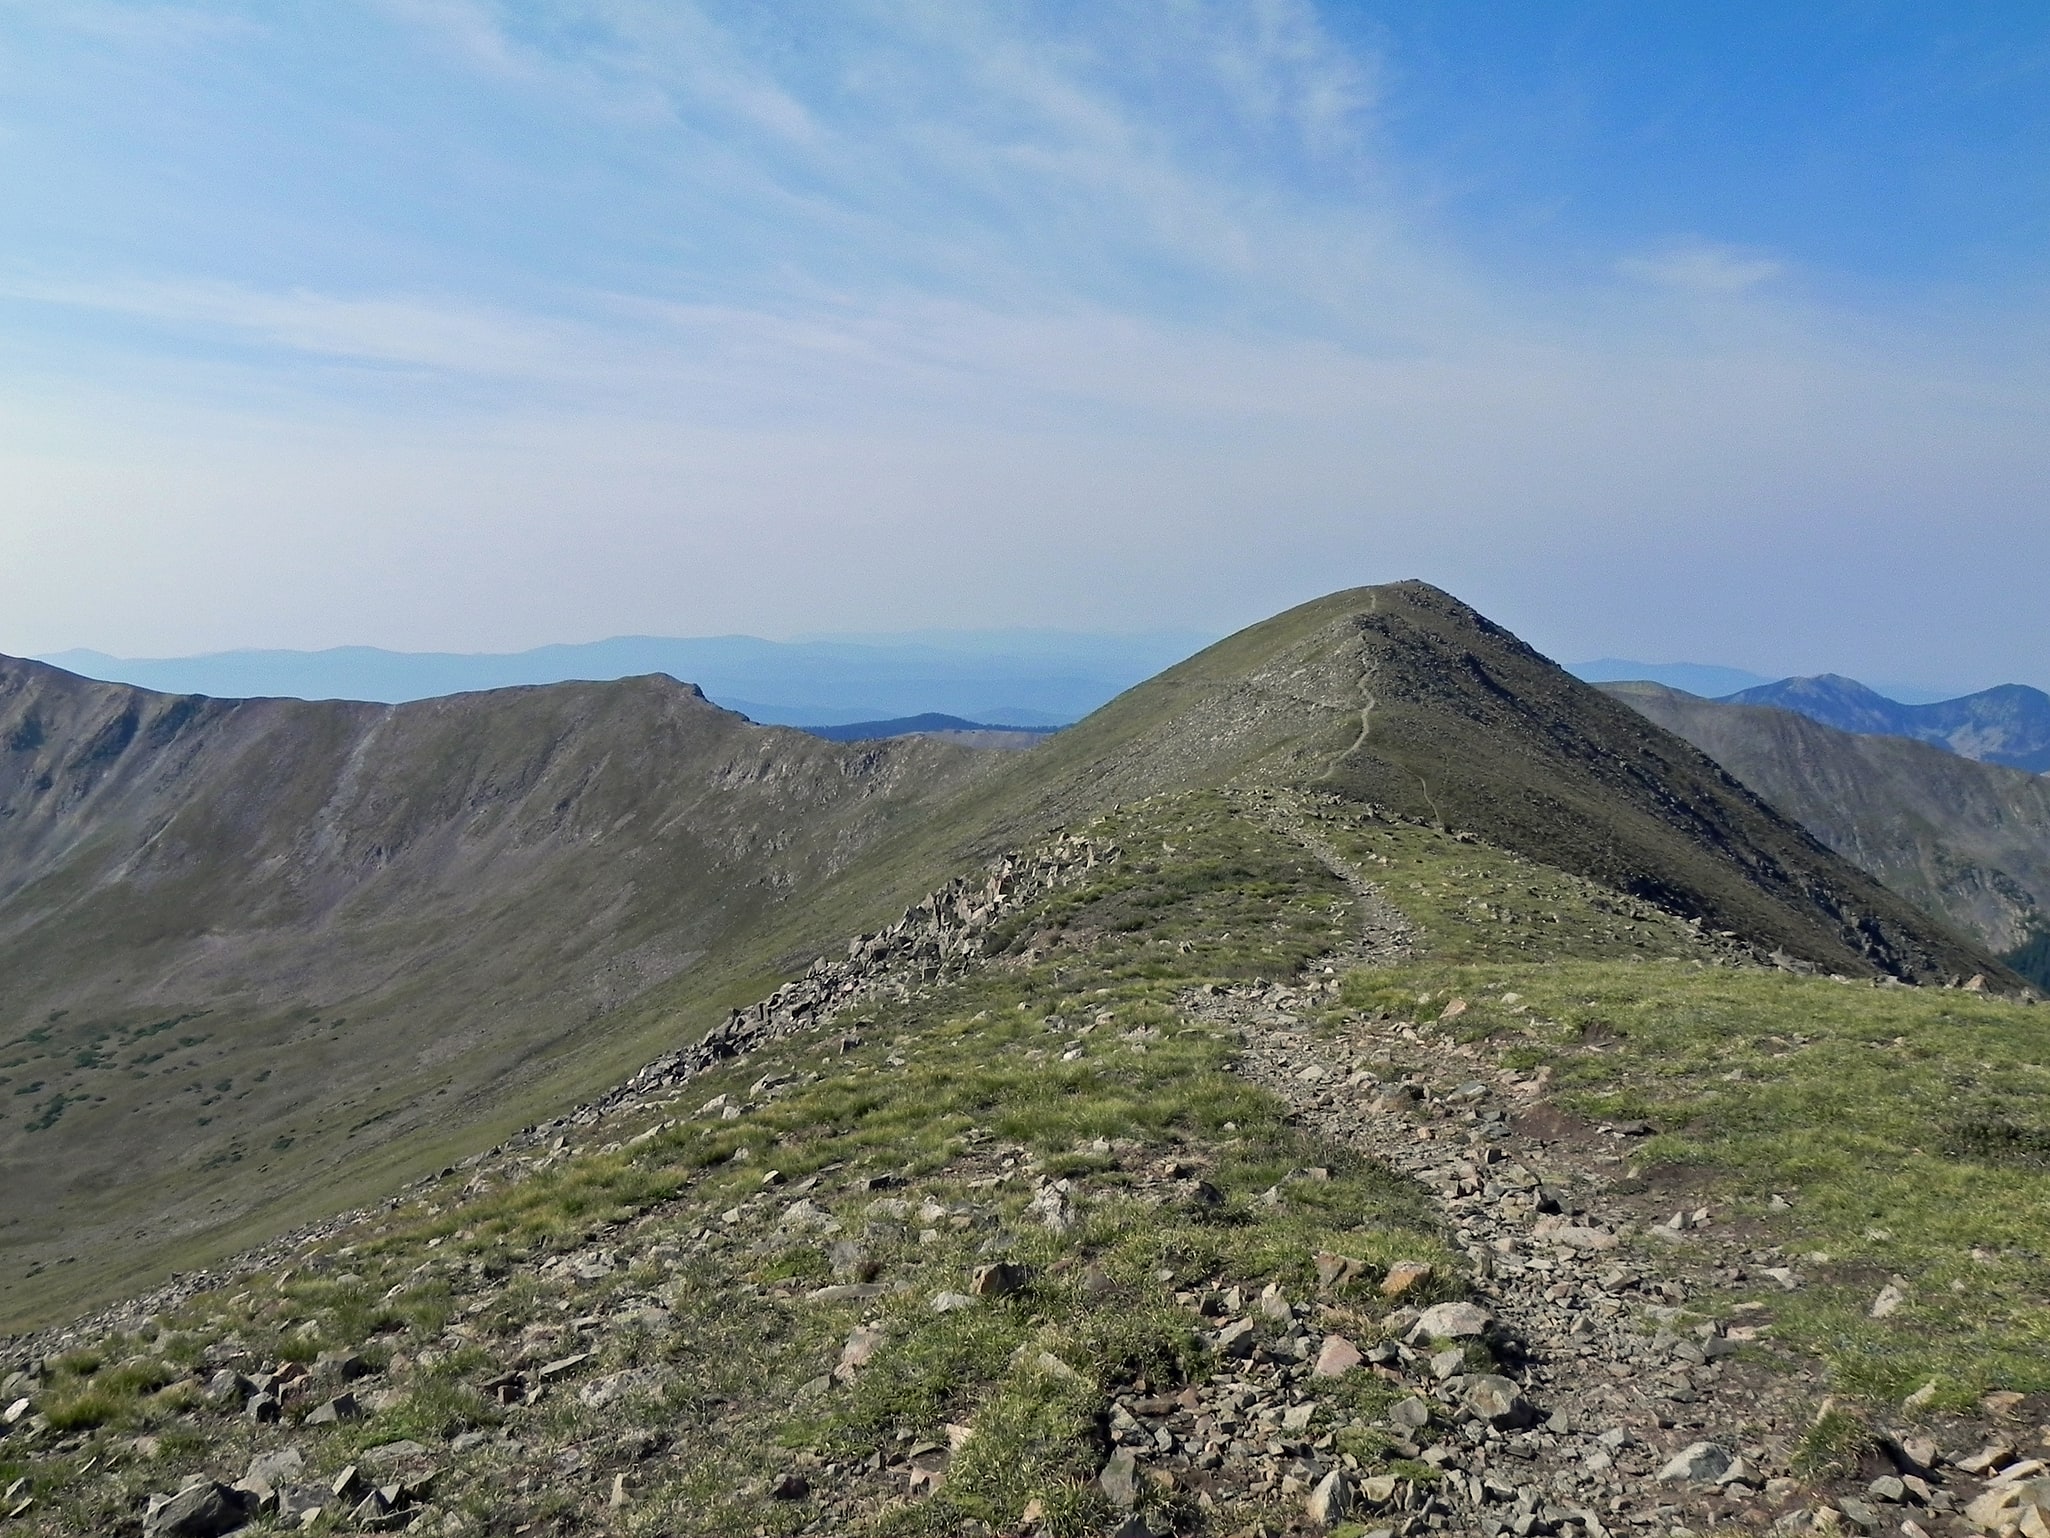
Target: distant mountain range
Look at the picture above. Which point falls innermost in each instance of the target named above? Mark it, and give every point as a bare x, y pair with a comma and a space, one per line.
973, 734
1712, 681
2007, 725
1018, 677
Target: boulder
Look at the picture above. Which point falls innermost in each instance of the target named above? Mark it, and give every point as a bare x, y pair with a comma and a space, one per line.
1496, 1400
1119, 1480
1700, 1463
202, 1510
1452, 1321
1338, 1357
2020, 1504
275, 1469
1331, 1500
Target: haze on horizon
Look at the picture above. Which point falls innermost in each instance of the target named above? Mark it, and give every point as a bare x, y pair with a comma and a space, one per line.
468, 326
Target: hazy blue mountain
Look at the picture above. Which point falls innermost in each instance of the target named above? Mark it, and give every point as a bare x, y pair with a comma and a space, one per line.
905, 726
1712, 681
1018, 677
1701, 678
2008, 724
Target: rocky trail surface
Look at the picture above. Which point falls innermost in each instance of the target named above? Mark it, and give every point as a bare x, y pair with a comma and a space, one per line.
1595, 1384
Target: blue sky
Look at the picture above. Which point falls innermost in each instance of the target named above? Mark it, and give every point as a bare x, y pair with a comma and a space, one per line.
1660, 331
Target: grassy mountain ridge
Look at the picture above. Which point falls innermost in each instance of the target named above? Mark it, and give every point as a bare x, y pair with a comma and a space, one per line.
1967, 841
391, 934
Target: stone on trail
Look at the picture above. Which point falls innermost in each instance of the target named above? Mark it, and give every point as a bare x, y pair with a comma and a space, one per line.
1338, 1357
1331, 1500
1496, 1400
342, 1407
951, 1302
203, 1510
1452, 1321
1888, 1302
1410, 1414
2020, 1504
1236, 1339
1699, 1464
1119, 1480
276, 1468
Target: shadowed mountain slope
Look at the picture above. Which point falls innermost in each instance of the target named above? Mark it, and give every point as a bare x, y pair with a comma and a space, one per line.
266, 957
2009, 724
1967, 841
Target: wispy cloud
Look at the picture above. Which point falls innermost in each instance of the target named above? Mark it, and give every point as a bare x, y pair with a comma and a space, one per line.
1702, 267
1034, 311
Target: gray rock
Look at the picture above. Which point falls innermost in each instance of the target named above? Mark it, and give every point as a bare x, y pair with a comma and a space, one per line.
276, 1468
228, 1387
1410, 1415
1700, 1463
951, 1302
1452, 1321
1331, 1500
342, 1407
1119, 1480
203, 1510
1496, 1400
1236, 1339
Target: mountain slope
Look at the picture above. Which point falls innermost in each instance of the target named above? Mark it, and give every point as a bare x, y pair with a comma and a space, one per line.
1964, 840
249, 943
1404, 697
267, 957
2008, 724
